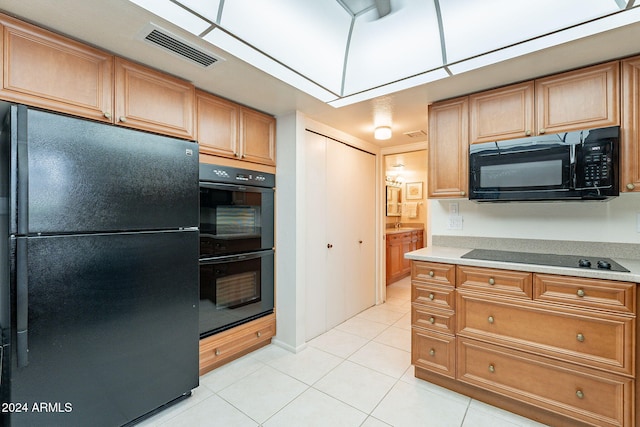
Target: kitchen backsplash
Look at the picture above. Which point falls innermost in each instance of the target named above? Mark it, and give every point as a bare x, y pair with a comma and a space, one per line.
592, 226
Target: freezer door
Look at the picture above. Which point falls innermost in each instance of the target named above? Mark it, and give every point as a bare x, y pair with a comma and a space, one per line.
75, 176
111, 330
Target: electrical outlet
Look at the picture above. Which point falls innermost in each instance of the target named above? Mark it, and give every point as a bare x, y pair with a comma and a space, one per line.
453, 209
455, 222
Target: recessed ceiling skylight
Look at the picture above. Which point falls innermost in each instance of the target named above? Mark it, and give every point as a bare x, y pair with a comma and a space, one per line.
342, 51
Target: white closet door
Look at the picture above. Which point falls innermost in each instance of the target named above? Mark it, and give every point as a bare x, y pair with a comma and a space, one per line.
360, 294
315, 245
340, 245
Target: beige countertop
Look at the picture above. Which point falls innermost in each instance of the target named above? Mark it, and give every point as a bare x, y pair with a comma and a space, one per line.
401, 230
452, 255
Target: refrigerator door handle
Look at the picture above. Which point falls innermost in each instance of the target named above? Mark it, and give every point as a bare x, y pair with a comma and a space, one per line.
22, 304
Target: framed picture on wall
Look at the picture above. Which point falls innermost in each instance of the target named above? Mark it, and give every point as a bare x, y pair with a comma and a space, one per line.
414, 191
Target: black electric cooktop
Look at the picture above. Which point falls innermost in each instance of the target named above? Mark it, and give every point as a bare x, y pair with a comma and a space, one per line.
574, 261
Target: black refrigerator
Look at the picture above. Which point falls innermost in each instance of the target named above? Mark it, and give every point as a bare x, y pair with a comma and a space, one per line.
99, 271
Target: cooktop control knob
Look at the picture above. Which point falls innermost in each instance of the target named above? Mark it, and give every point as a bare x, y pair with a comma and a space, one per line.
584, 263
604, 264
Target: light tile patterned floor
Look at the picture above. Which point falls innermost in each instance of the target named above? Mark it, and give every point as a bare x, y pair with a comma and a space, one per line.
357, 374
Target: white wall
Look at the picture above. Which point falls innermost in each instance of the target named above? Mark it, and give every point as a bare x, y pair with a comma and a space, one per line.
290, 226
612, 221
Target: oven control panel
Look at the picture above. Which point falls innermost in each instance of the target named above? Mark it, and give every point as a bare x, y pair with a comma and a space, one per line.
229, 175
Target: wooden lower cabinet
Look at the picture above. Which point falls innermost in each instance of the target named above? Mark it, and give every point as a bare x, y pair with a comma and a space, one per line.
226, 346
595, 398
560, 350
398, 244
434, 351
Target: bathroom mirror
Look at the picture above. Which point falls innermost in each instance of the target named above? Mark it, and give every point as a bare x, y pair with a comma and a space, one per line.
393, 201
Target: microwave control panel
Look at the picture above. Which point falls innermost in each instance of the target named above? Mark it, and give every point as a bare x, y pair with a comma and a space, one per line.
594, 165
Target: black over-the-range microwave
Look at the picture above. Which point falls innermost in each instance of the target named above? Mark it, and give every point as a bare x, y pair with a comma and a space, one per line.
579, 165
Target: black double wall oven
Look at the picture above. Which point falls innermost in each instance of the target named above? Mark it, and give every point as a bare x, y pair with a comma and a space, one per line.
236, 247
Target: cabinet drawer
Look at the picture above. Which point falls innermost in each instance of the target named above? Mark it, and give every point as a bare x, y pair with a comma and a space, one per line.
433, 319
433, 295
499, 282
395, 238
443, 274
219, 349
590, 396
432, 351
582, 292
600, 340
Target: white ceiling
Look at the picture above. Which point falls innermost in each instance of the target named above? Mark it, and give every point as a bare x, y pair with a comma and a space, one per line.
115, 25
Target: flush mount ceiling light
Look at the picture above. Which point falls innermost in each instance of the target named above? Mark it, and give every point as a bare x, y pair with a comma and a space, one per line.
347, 51
382, 133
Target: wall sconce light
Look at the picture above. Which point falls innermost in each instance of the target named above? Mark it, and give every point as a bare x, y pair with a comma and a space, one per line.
382, 132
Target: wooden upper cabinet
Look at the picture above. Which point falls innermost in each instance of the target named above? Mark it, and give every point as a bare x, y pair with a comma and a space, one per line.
257, 137
45, 70
448, 148
581, 99
502, 113
630, 138
226, 129
150, 100
217, 125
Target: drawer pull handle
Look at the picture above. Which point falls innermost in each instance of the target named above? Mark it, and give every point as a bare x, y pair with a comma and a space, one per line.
107, 115
492, 369
432, 320
258, 334
580, 337
432, 296
123, 119
431, 273
217, 352
492, 281
580, 293
491, 319
630, 186
432, 352
580, 394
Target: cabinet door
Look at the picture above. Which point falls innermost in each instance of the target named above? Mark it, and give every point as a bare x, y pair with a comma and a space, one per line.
581, 99
149, 100
395, 257
362, 219
49, 71
257, 137
502, 113
216, 125
407, 246
448, 148
630, 141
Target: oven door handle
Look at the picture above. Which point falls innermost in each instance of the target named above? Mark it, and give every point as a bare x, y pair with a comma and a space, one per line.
234, 187
236, 258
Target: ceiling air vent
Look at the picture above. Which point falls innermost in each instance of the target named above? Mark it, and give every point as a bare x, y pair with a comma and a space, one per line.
416, 133
167, 41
